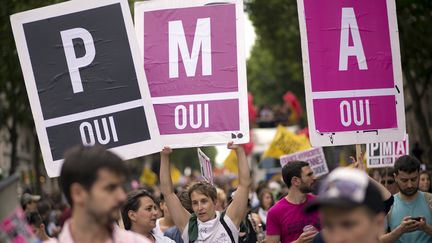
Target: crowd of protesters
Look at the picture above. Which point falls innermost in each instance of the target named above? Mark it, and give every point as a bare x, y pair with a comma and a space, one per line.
349, 205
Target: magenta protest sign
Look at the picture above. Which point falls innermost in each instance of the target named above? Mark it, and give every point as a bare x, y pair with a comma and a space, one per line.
195, 66
352, 70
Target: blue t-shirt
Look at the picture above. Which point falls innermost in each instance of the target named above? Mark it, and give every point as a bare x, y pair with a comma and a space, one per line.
418, 207
174, 234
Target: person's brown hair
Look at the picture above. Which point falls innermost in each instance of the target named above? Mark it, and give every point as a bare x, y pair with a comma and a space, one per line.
430, 179
185, 200
133, 203
205, 188
82, 165
261, 197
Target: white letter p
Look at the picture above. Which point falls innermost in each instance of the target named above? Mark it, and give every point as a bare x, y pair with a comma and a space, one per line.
74, 62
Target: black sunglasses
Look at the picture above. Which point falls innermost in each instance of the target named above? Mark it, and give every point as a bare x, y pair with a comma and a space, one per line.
389, 182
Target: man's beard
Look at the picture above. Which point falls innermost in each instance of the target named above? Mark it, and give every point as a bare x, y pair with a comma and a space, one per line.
409, 192
305, 188
105, 218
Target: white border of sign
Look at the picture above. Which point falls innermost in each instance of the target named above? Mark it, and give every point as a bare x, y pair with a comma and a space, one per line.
300, 155
354, 137
380, 157
126, 151
203, 138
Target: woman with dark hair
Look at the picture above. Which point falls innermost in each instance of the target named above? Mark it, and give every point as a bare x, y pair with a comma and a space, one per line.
36, 224
140, 214
266, 201
425, 182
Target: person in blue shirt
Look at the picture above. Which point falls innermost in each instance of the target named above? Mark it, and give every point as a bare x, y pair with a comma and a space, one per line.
410, 219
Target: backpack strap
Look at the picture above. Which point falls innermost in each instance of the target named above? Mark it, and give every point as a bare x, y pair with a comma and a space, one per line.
227, 229
193, 228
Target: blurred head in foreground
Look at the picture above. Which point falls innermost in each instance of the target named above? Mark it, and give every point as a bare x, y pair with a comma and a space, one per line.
351, 208
92, 179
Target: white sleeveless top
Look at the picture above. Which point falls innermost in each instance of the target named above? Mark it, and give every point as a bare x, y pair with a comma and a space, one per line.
162, 239
157, 230
213, 231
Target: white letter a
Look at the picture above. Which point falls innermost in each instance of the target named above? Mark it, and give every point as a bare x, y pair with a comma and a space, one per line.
349, 23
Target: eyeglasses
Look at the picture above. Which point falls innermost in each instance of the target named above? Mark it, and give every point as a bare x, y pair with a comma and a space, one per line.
389, 182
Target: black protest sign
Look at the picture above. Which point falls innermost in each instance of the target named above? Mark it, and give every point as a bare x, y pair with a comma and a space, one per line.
85, 80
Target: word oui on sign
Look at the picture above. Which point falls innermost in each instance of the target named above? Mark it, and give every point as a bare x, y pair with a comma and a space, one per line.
352, 71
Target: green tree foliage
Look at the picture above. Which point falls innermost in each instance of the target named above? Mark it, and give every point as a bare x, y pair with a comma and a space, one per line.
414, 20
182, 158
188, 157
275, 65
262, 77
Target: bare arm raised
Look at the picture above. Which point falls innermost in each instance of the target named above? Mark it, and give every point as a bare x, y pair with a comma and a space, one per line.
237, 210
179, 214
358, 163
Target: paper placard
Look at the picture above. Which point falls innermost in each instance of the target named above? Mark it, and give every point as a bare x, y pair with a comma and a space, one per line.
315, 157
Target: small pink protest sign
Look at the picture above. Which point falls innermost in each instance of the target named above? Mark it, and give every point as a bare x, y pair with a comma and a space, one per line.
195, 67
352, 70
385, 154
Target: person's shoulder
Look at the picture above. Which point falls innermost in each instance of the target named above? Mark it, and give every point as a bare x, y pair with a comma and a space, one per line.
129, 236
163, 239
428, 198
51, 240
171, 230
426, 195
310, 196
278, 206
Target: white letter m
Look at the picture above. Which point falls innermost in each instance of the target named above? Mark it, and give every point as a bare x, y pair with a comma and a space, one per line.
177, 40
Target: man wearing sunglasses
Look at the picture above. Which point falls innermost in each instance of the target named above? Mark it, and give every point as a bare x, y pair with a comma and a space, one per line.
410, 219
388, 180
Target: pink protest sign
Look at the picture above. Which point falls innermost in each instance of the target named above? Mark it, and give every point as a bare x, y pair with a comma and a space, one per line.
195, 66
352, 70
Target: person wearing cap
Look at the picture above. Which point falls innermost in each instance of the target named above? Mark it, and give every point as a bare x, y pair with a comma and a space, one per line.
286, 220
351, 207
206, 224
29, 202
92, 180
410, 218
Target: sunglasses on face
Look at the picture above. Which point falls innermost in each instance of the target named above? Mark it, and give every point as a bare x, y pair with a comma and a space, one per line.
389, 182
